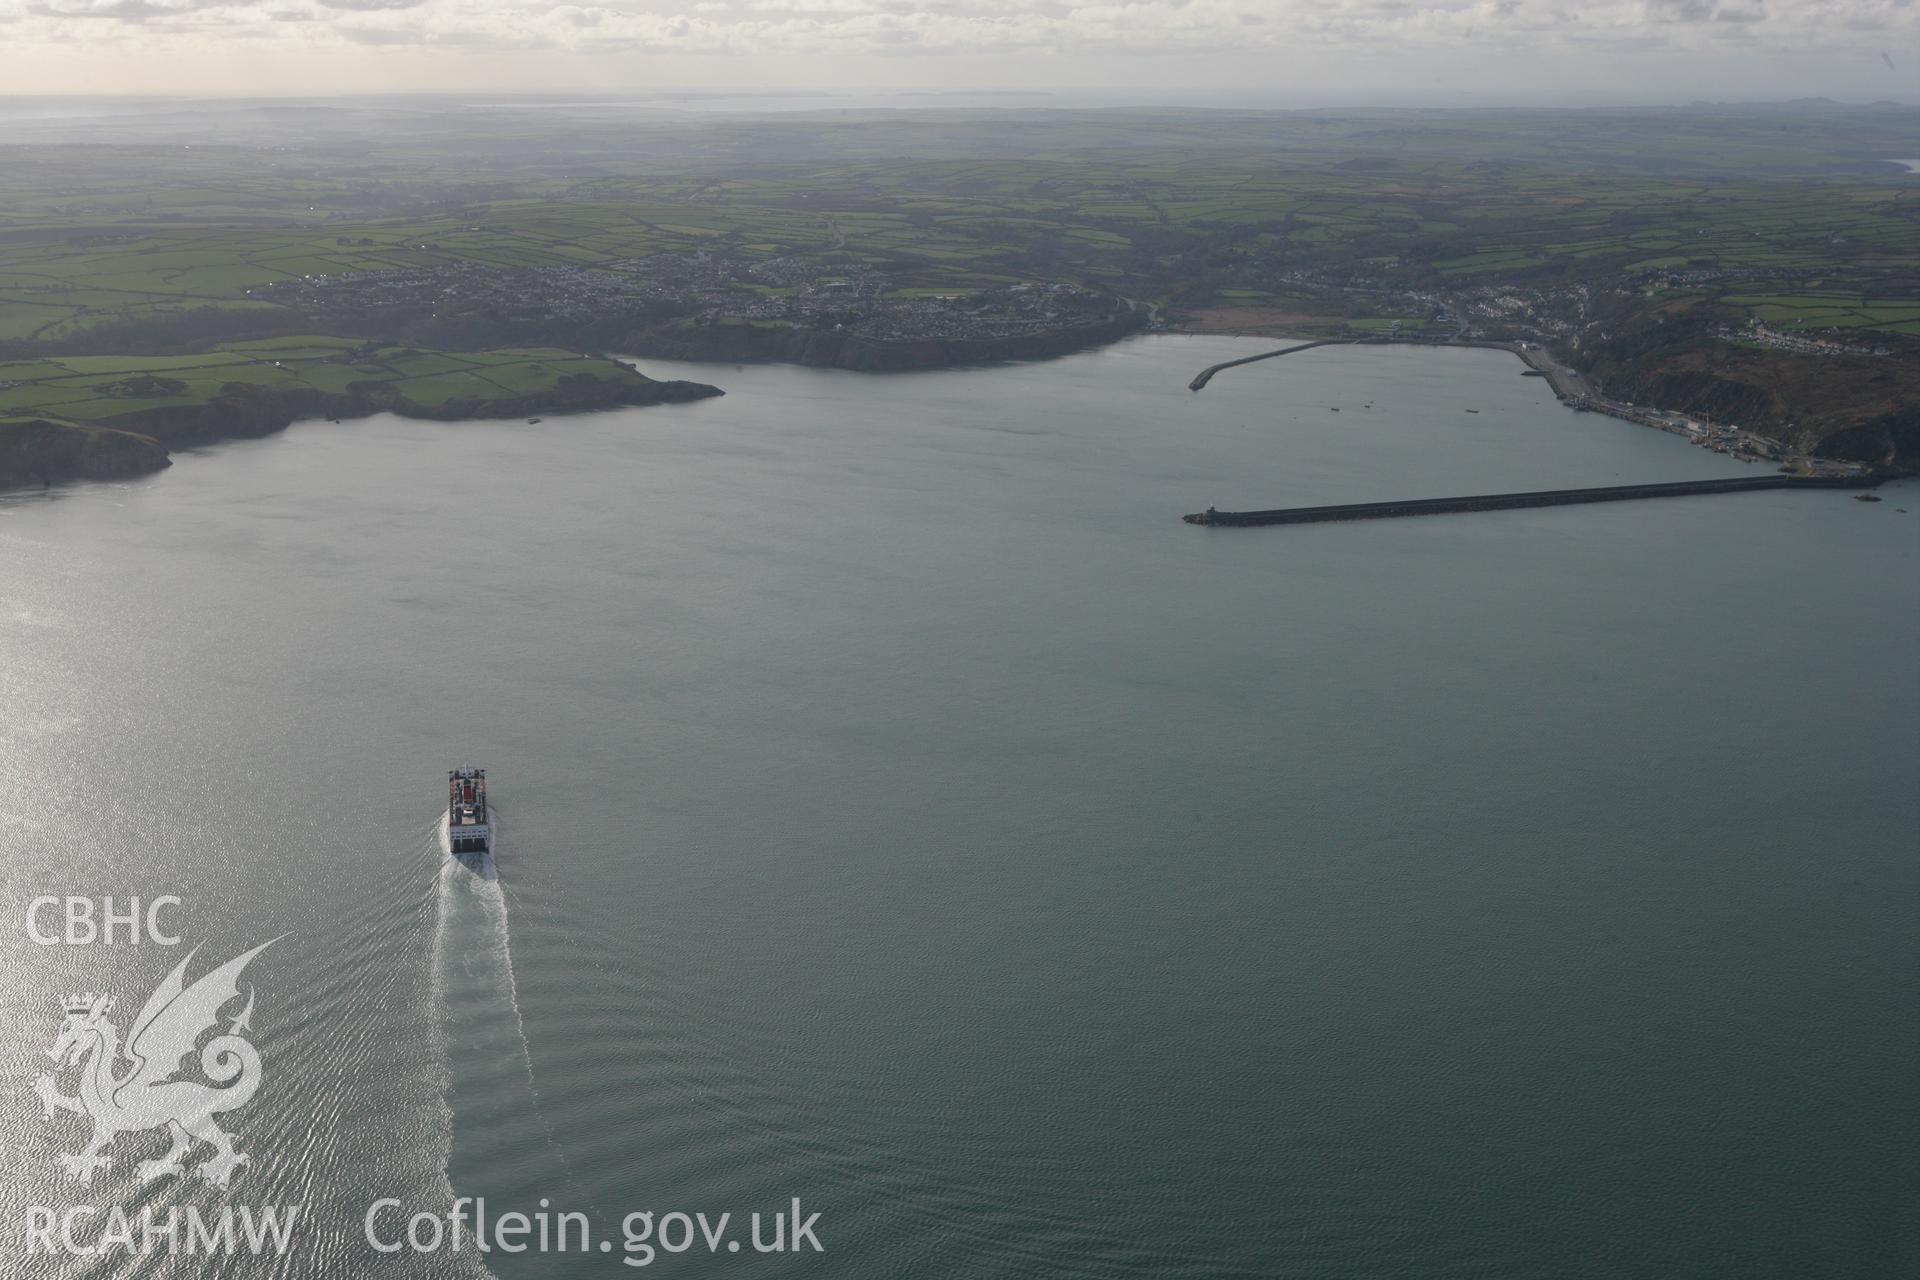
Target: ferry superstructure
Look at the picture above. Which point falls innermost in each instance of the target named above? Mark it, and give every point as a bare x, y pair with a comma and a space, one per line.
467, 813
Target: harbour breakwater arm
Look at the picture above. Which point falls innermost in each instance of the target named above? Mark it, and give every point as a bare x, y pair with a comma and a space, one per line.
1572, 389
1567, 383
1201, 379
1510, 501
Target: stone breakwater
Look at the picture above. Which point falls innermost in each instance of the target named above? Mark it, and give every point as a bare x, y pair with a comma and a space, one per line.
1201, 379
1511, 501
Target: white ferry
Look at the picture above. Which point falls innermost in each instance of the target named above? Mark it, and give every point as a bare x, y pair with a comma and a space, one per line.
467, 813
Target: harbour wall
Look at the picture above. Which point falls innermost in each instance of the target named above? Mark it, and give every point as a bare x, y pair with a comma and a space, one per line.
1510, 501
1201, 379
1566, 383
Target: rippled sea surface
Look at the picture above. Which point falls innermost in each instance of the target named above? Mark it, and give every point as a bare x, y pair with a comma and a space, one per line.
903, 811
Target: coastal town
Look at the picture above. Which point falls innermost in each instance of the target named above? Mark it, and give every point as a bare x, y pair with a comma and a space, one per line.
1528, 321
697, 289
1799, 342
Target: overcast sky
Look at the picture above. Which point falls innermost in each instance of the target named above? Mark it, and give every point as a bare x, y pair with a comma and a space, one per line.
1290, 51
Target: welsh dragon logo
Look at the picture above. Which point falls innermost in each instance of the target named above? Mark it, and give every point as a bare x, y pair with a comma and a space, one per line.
144, 1094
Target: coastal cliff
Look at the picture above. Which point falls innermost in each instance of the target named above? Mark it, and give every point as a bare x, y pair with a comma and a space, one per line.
137, 442
45, 450
244, 409
1844, 406
840, 349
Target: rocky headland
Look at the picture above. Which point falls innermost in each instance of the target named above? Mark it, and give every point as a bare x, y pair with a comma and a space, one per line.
44, 449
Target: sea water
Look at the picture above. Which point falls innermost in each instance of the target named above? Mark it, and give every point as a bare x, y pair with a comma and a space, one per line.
905, 813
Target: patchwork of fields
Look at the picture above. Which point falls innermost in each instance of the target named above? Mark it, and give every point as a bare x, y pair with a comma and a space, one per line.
1135, 224
103, 388
1832, 310
1638, 243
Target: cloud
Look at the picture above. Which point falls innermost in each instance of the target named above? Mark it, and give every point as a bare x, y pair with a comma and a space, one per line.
1070, 28
1685, 11
120, 10
378, 35
811, 6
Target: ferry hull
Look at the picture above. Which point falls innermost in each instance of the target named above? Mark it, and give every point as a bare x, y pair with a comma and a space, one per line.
468, 828
469, 839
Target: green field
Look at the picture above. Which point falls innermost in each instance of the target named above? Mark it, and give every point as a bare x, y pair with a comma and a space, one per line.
1629, 235
93, 389
82, 245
